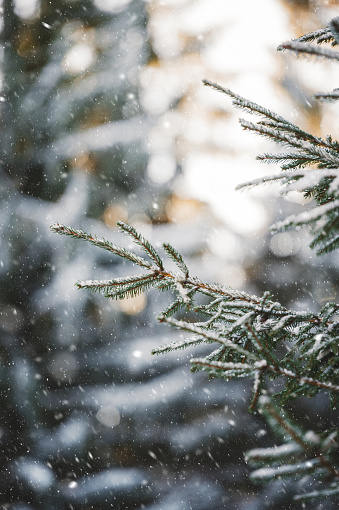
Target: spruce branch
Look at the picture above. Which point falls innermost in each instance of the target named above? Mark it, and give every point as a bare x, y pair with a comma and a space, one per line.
334, 27
301, 48
327, 96
308, 217
119, 287
255, 336
329, 245
101, 243
291, 160
323, 35
308, 150
243, 103
262, 349
321, 152
257, 387
207, 335
142, 242
286, 459
266, 474
304, 380
329, 34
178, 345
175, 255
247, 327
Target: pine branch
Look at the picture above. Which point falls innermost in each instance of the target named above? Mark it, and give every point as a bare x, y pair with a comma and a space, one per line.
323, 35
101, 243
309, 444
255, 336
320, 183
143, 243
192, 328
302, 48
175, 255
247, 327
328, 96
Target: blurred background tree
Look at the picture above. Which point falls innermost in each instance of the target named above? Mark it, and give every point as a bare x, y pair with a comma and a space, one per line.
102, 110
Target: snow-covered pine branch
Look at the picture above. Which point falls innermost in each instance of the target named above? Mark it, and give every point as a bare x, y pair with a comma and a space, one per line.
323, 35
255, 336
309, 49
249, 328
300, 453
321, 182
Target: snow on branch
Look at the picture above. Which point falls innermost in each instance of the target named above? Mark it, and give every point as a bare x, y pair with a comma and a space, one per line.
247, 327
309, 49
321, 182
255, 336
323, 35
301, 452
307, 217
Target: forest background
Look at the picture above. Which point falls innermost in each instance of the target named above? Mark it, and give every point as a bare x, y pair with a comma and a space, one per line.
104, 118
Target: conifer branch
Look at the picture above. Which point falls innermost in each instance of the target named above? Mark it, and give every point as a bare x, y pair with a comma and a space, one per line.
304, 380
253, 336
142, 242
287, 470
302, 48
245, 104
208, 335
178, 345
320, 182
321, 152
257, 387
328, 96
101, 243
120, 287
312, 448
308, 216
323, 35
242, 314
175, 255
247, 327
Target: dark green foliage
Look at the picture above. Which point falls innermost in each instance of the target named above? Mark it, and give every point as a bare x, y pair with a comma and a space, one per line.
254, 336
78, 234
302, 452
249, 333
249, 329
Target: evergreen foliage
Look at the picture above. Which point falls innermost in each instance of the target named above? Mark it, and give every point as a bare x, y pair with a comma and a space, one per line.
286, 353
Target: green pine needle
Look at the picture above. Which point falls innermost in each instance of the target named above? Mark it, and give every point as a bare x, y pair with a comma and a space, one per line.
142, 242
